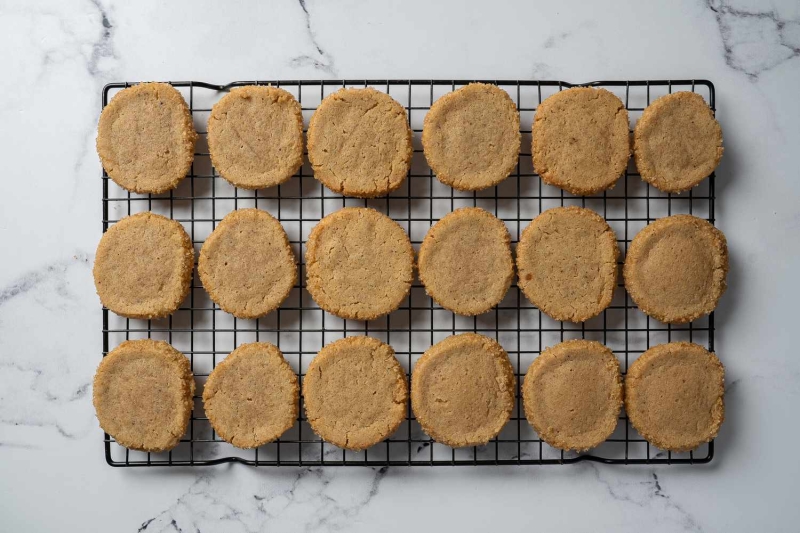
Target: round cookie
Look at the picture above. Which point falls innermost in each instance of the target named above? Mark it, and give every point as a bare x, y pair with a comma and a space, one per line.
359, 143
247, 265
143, 266
581, 140
471, 137
251, 397
255, 137
359, 264
143, 393
465, 261
572, 394
463, 389
674, 396
145, 138
567, 263
355, 392
677, 142
676, 268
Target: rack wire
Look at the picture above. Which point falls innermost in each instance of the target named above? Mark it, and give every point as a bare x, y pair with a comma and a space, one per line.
299, 328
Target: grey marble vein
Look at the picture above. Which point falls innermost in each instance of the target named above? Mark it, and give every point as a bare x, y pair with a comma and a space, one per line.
18, 446
102, 50
322, 60
551, 41
646, 493
51, 272
103, 47
305, 500
731, 386
47, 385
755, 41
541, 71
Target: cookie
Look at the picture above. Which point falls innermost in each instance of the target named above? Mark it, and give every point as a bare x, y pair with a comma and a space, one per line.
581, 140
677, 142
145, 138
465, 261
462, 390
471, 137
572, 394
143, 393
567, 263
674, 396
143, 266
676, 268
251, 397
247, 265
359, 264
255, 137
355, 393
359, 143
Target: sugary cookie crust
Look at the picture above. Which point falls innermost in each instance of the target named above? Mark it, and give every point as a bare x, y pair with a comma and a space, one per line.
465, 261
142, 395
471, 137
255, 136
355, 393
359, 143
581, 140
463, 389
674, 395
146, 138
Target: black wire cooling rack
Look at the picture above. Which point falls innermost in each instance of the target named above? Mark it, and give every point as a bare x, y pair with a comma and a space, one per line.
299, 328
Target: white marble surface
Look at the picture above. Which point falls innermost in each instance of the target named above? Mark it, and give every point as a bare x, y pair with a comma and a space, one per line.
56, 55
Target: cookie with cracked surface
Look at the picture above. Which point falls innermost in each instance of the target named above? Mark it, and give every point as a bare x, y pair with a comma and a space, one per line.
142, 395
465, 261
581, 140
676, 268
255, 136
462, 390
567, 263
247, 265
146, 138
359, 143
677, 142
674, 396
471, 137
251, 397
355, 393
359, 264
572, 394
143, 266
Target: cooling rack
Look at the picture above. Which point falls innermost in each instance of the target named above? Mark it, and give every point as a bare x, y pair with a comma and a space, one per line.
299, 328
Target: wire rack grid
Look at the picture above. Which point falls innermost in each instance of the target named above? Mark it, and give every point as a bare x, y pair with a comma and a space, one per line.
299, 328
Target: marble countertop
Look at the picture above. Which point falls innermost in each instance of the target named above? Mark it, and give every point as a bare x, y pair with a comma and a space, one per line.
56, 57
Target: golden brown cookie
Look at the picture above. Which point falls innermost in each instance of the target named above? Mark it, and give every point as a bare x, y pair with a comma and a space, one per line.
581, 140
465, 261
677, 142
143, 393
145, 138
247, 265
359, 264
471, 137
143, 266
355, 392
567, 263
676, 268
462, 390
255, 136
251, 397
573, 394
674, 395
359, 143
